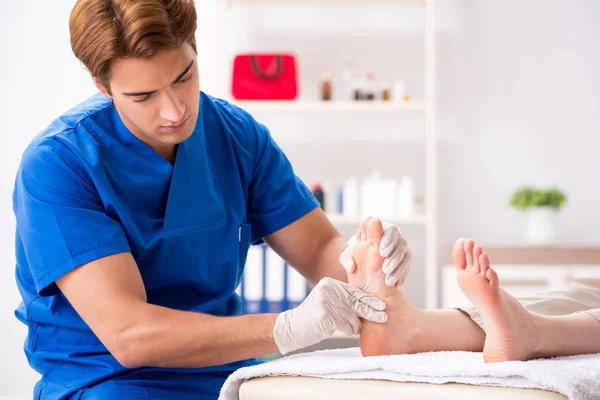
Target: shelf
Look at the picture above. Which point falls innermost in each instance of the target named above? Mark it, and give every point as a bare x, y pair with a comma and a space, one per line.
325, 2
338, 219
332, 106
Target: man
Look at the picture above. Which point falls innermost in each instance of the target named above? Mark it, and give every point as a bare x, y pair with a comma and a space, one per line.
135, 211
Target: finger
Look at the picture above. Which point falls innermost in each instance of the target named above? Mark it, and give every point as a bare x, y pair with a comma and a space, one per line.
405, 270
399, 272
391, 262
400, 285
355, 325
389, 241
391, 236
357, 295
364, 311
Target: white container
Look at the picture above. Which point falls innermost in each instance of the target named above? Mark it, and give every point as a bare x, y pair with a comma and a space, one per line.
347, 90
330, 197
370, 194
406, 197
350, 198
399, 90
540, 225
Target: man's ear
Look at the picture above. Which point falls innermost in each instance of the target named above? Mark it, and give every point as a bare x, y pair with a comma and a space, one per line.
101, 87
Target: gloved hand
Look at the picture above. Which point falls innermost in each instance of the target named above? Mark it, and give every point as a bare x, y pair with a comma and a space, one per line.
393, 248
331, 305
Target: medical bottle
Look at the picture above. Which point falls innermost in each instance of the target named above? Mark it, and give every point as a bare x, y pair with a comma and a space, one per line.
370, 86
319, 193
406, 197
350, 198
325, 86
385, 91
347, 77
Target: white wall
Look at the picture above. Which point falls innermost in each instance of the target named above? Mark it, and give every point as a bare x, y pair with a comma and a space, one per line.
521, 75
512, 75
40, 79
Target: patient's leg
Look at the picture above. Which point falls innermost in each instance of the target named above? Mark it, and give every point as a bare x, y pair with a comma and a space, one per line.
512, 332
408, 329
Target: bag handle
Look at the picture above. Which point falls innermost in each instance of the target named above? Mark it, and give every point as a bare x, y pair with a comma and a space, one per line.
256, 68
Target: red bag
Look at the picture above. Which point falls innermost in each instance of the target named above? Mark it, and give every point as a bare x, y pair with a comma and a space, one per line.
264, 77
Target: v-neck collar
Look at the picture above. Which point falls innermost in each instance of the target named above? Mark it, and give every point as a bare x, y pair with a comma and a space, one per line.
193, 200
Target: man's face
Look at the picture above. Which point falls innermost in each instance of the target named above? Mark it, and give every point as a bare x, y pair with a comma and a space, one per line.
157, 99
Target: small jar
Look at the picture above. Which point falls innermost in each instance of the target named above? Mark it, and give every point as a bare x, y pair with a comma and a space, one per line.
325, 86
355, 89
385, 91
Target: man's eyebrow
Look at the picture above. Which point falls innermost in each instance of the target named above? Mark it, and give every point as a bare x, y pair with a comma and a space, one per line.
135, 94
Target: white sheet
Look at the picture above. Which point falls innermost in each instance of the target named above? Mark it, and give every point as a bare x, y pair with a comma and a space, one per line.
576, 377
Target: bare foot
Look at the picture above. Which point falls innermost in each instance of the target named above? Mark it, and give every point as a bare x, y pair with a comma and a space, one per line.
397, 333
510, 329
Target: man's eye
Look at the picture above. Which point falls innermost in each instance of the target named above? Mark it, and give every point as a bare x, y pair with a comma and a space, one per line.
141, 99
184, 80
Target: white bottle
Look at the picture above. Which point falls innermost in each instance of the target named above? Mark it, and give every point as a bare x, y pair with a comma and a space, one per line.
399, 90
330, 197
347, 76
350, 198
370, 194
406, 197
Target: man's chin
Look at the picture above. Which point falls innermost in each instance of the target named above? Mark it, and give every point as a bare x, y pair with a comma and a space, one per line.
175, 138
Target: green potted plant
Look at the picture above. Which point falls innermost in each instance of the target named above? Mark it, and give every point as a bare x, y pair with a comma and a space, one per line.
541, 206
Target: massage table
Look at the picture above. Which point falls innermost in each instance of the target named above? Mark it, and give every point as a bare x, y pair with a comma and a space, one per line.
296, 388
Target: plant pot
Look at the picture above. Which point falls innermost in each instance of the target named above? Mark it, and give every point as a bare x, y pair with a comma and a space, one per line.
540, 227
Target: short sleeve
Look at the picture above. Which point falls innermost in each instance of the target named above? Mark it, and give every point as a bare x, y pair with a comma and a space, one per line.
277, 197
60, 218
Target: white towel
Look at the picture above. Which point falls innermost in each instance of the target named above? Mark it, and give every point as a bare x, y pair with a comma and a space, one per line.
577, 377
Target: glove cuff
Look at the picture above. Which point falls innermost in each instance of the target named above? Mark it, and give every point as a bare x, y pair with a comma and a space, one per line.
283, 334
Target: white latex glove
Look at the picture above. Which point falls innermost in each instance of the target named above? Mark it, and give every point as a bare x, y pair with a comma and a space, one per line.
331, 305
393, 248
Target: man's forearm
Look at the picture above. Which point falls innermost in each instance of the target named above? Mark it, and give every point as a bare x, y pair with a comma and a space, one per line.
169, 338
328, 263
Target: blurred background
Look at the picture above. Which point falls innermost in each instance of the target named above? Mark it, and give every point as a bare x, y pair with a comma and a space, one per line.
475, 118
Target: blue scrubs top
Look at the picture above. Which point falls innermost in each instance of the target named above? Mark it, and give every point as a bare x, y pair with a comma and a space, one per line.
87, 188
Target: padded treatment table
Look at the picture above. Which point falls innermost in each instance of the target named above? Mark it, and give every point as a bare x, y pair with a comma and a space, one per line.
297, 387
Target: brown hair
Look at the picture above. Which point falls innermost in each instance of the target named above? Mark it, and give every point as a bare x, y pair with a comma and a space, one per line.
105, 30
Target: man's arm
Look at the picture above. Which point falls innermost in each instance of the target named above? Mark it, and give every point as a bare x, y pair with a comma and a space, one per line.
141, 334
312, 245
